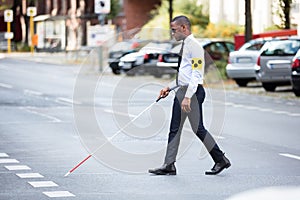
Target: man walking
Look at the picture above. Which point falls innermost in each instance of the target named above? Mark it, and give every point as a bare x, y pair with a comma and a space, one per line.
188, 101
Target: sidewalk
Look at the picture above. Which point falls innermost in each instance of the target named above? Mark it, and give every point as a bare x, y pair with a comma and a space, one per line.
60, 58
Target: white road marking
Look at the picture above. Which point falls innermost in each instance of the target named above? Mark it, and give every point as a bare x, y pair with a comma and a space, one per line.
17, 167
54, 119
6, 86
294, 114
119, 113
66, 100
59, 194
9, 161
36, 184
30, 175
3, 155
32, 92
262, 109
290, 156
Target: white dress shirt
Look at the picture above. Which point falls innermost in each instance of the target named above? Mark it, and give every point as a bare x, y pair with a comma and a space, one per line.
191, 70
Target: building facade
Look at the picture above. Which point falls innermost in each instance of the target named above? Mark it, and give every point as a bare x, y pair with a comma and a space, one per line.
74, 15
263, 13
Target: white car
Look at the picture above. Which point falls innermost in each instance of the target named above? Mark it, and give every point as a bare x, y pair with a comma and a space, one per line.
275, 63
241, 65
147, 55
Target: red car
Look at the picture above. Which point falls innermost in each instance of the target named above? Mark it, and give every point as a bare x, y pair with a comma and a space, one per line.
296, 74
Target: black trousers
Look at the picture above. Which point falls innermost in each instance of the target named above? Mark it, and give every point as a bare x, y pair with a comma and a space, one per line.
196, 120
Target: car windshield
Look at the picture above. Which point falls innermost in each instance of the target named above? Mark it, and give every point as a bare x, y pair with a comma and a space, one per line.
282, 48
252, 45
156, 47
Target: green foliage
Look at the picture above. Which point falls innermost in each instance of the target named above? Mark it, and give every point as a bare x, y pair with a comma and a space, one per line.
4, 5
114, 9
160, 17
273, 28
194, 12
21, 47
221, 30
221, 66
199, 19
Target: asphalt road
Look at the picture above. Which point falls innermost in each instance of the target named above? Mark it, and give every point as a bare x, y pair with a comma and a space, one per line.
53, 116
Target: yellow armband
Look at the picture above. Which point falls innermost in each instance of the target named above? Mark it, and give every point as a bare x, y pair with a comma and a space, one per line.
197, 63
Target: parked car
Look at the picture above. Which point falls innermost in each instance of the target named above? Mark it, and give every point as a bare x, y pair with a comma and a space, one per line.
274, 63
296, 74
167, 62
135, 62
215, 49
120, 49
241, 65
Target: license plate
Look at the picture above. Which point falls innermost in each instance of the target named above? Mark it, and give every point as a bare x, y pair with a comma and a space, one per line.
172, 59
127, 66
244, 60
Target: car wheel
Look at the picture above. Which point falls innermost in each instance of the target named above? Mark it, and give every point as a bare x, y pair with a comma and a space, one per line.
116, 71
241, 83
270, 87
296, 92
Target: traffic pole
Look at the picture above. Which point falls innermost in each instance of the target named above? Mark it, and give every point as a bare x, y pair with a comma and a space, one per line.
31, 34
8, 40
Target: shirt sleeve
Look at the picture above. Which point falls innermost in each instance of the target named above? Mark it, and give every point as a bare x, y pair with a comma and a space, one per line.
197, 64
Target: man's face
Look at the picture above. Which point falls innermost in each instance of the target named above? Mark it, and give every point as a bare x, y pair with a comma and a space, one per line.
177, 31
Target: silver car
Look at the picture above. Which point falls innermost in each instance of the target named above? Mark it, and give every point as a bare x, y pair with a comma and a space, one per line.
274, 63
241, 65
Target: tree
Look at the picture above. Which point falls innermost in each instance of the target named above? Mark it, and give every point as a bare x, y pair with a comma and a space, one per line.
194, 12
248, 22
114, 9
284, 8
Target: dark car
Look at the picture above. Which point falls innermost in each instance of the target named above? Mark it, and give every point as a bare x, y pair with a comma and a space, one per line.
119, 50
296, 74
215, 50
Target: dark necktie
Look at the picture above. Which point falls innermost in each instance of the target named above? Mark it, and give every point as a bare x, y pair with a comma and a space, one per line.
179, 61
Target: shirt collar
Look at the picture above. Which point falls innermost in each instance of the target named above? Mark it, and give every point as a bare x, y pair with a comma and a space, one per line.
188, 39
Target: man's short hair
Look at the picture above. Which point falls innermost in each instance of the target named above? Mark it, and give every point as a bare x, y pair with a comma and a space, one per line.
182, 20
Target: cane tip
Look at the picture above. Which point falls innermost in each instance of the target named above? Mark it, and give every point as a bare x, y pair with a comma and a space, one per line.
67, 174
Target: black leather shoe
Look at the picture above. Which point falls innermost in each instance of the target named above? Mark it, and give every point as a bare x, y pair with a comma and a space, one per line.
219, 166
164, 170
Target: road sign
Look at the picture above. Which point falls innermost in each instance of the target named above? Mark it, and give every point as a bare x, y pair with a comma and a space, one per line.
8, 16
9, 35
31, 11
102, 6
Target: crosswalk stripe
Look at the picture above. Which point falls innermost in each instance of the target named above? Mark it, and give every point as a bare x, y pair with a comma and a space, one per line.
3, 155
17, 167
42, 184
59, 194
9, 161
30, 175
